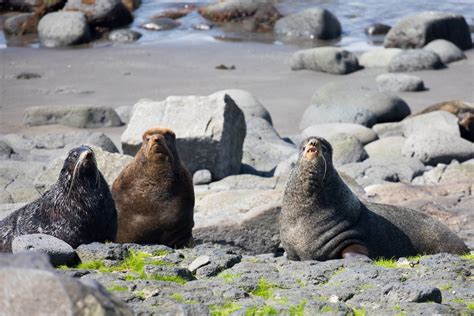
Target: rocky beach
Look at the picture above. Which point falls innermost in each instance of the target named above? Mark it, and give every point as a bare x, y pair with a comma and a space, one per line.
241, 84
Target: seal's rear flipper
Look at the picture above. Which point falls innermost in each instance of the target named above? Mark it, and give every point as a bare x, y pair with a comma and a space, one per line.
355, 250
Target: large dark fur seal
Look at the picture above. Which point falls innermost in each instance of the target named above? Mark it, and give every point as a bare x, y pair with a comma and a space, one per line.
78, 208
155, 194
322, 219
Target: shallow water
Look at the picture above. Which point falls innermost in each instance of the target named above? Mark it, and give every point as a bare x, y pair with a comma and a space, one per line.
354, 16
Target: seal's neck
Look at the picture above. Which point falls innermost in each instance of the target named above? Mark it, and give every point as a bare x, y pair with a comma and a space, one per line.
327, 195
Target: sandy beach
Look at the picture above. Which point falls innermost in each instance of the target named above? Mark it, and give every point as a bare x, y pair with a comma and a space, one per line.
121, 75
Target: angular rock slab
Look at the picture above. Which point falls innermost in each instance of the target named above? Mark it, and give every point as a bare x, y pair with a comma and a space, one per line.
312, 23
210, 131
446, 50
263, 148
415, 60
440, 120
436, 146
386, 107
30, 287
415, 31
325, 59
247, 102
58, 29
59, 252
75, 116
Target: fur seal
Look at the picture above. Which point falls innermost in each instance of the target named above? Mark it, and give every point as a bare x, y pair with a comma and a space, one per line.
321, 219
464, 112
78, 208
155, 194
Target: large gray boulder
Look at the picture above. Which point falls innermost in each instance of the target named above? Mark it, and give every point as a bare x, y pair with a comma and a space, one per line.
436, 146
346, 149
395, 82
312, 23
109, 164
59, 252
381, 170
455, 172
322, 114
384, 106
263, 148
440, 120
446, 50
363, 134
415, 60
44, 147
380, 57
245, 218
415, 31
259, 16
326, 59
16, 178
81, 116
247, 102
210, 130
388, 147
30, 286
58, 29
105, 13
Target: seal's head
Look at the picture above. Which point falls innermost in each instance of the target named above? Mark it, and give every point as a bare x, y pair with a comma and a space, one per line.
80, 166
315, 156
159, 145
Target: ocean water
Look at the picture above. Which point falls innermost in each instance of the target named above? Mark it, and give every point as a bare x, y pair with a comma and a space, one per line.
354, 16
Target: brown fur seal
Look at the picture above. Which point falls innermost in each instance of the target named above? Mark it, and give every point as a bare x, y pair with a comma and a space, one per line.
78, 208
322, 219
462, 110
155, 194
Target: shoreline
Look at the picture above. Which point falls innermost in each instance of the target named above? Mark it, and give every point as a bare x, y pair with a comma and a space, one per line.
121, 75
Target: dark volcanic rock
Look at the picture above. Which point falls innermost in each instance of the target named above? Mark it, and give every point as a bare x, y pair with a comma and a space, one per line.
312, 23
58, 251
416, 31
377, 29
257, 16
105, 13
46, 292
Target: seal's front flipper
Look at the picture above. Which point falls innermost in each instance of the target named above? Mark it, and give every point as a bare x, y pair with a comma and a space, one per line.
355, 250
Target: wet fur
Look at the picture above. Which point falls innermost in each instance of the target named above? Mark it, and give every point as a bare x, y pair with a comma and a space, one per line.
321, 217
78, 208
155, 195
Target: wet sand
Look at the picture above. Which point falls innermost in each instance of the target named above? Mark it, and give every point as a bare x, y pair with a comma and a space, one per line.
123, 74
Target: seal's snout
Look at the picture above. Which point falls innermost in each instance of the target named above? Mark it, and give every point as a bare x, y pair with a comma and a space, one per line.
312, 149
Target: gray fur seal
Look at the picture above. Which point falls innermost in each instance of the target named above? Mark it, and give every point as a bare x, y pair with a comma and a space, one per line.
322, 219
77, 209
